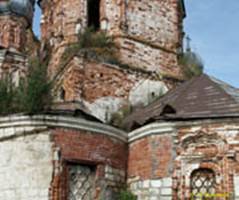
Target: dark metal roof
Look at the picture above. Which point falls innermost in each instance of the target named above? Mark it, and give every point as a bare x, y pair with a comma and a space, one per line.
200, 97
23, 8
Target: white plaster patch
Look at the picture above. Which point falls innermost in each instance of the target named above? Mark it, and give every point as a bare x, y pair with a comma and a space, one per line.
236, 187
104, 107
26, 167
146, 91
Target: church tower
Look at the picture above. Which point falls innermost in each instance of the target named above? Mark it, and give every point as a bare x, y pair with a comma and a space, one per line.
148, 35
15, 22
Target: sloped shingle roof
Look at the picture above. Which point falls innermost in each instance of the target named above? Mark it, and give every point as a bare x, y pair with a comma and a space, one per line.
200, 97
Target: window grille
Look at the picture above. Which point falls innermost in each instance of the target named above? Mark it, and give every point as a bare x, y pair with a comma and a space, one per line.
81, 182
203, 184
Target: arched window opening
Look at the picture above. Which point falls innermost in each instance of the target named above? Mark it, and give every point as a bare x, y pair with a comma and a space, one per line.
94, 14
203, 184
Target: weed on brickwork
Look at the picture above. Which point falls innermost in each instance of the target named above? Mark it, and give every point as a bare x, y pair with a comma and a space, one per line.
92, 45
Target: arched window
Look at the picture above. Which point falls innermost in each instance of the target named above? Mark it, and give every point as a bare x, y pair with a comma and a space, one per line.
203, 184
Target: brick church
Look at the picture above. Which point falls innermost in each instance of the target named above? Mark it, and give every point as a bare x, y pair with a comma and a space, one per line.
181, 140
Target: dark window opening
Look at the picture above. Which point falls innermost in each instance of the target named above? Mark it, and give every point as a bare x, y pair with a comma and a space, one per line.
168, 110
62, 94
94, 14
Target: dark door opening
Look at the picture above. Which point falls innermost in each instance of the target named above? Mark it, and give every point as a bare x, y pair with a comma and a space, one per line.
94, 14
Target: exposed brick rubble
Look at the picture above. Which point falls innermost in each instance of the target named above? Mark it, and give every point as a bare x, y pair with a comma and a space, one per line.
143, 43
105, 88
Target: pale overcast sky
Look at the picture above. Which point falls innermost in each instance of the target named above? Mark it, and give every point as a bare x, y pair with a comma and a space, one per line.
213, 26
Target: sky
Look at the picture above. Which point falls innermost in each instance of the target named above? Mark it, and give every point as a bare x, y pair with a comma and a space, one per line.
213, 26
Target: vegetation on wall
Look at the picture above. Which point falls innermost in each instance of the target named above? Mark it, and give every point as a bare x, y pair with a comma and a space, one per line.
118, 117
93, 45
191, 63
7, 96
31, 95
34, 90
126, 195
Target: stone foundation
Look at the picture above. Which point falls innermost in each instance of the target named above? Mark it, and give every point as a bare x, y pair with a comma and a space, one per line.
153, 189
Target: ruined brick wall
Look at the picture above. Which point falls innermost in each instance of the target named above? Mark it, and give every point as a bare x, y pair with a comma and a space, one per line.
151, 157
149, 57
148, 34
107, 155
62, 20
155, 22
152, 36
212, 146
105, 88
150, 166
13, 32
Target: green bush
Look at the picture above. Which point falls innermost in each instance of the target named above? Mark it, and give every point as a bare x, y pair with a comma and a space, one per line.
192, 64
127, 195
32, 94
34, 90
7, 96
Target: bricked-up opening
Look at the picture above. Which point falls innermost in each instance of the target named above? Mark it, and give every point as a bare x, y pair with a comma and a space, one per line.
94, 14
